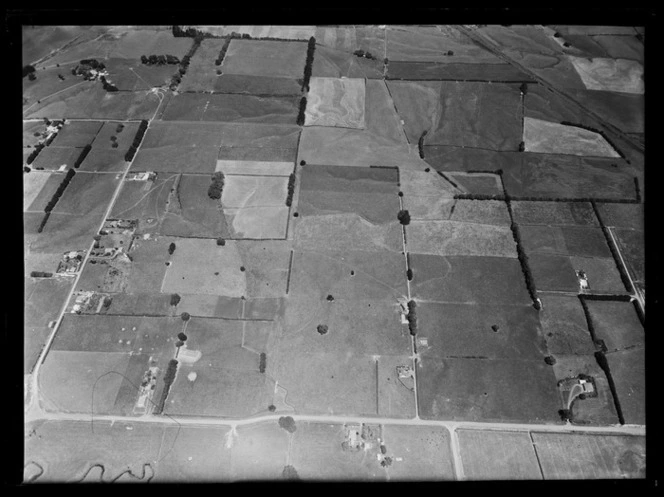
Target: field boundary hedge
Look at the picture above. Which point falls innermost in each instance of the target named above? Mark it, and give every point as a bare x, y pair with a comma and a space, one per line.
420, 144
300, 114
311, 48
291, 189
82, 156
58, 193
129, 156
184, 63
517, 198
169, 378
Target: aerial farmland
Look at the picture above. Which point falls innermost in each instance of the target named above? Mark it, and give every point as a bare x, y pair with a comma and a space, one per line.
333, 253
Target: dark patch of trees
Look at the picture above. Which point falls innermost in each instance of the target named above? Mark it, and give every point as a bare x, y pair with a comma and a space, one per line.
525, 266
287, 423
58, 193
175, 299
522, 147
33, 155
412, 317
330, 298
86, 66
409, 274
107, 86
300, 114
221, 242
43, 222
182, 336
404, 217
184, 64
159, 60
448, 179
217, 186
550, 360
524, 88
82, 156
28, 70
290, 473
271, 408
262, 362
311, 47
185, 316
366, 55
322, 329
171, 248
169, 377
495, 328
604, 364
420, 144
40, 274
129, 156
303, 163
26, 169
178, 32
222, 52
291, 189
637, 189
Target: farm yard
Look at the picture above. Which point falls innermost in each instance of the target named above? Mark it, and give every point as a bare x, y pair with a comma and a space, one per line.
368, 253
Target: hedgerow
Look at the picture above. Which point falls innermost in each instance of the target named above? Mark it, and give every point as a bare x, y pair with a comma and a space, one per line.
291, 189
58, 193
33, 155
82, 156
262, 362
43, 222
300, 114
404, 217
525, 266
129, 156
40, 274
420, 144
169, 377
184, 63
159, 60
311, 47
412, 317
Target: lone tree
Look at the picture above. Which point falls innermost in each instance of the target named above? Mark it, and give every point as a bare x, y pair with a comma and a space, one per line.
404, 217
175, 299
171, 248
221, 242
182, 337
322, 329
330, 298
185, 316
287, 423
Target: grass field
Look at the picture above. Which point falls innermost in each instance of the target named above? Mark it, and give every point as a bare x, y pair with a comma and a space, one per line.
432, 45
210, 306
265, 58
38, 189
129, 74
104, 160
463, 279
44, 298
632, 248
565, 240
124, 134
256, 85
602, 273
260, 451
338, 63
628, 372
64, 232
48, 82
66, 450
554, 272
77, 133
376, 208
336, 102
143, 303
493, 390
53, 158
254, 168
254, 191
176, 159
231, 108
478, 183
328, 272
445, 71
349, 179
346, 232
630, 216
498, 455
557, 213
618, 75
39, 41
257, 223
623, 110
87, 193
91, 101
29, 130
486, 116
450, 238
201, 73
576, 456
148, 265
191, 212
463, 330
564, 326
488, 212
381, 117
190, 453
552, 138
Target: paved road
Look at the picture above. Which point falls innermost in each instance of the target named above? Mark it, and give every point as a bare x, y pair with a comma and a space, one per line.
637, 293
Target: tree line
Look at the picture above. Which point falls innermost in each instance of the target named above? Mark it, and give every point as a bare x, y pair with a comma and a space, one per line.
159, 60
129, 156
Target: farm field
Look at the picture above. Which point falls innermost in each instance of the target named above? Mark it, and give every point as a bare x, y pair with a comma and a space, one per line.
469, 279
336, 102
592, 457
265, 58
498, 455
334, 253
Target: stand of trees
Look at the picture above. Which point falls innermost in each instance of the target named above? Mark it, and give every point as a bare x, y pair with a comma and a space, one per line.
300, 114
129, 156
40, 274
262, 362
217, 186
58, 193
311, 47
29, 70
366, 55
412, 317
291, 189
159, 60
404, 217
420, 144
82, 156
222, 52
169, 377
